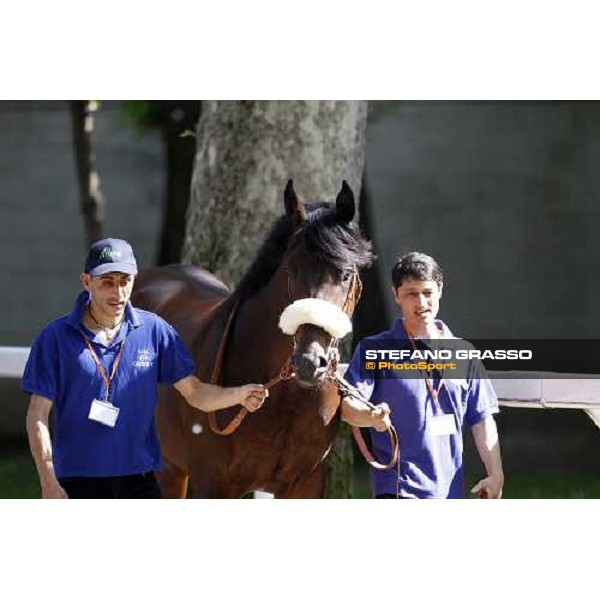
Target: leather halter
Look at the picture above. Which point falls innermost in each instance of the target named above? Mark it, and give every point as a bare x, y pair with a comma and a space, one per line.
287, 372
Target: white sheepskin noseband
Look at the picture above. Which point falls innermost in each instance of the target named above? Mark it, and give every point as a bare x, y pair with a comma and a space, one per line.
315, 311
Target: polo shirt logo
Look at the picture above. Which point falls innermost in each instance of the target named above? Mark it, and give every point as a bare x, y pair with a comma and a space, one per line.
109, 253
144, 359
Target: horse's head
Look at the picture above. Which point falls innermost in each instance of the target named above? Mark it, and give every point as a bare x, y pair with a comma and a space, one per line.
322, 262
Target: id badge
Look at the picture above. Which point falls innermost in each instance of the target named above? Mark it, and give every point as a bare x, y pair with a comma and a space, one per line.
442, 425
104, 412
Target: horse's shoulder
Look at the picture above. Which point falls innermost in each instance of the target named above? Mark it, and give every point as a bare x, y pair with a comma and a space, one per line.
180, 277
188, 298
177, 286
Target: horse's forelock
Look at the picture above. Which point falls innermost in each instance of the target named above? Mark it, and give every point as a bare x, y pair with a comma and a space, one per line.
331, 242
334, 242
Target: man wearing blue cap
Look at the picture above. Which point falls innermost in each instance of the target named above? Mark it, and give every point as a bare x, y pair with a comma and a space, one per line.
98, 367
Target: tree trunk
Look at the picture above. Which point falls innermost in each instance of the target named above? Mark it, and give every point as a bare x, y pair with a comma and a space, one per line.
92, 201
179, 116
246, 152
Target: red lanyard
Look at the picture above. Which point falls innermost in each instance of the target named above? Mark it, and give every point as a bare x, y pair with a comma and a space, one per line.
107, 380
428, 381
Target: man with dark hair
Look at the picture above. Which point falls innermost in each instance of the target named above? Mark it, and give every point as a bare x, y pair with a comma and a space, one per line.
419, 266
98, 369
429, 412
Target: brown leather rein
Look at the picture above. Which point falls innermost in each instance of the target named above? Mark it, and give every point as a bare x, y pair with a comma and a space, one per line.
287, 372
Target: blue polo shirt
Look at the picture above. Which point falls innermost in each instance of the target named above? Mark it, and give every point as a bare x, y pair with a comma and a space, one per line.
61, 368
431, 466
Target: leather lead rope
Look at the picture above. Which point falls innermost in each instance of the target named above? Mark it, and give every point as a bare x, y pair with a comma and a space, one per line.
346, 389
362, 446
214, 379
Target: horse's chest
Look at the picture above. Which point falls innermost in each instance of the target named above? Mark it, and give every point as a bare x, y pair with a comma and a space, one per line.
288, 438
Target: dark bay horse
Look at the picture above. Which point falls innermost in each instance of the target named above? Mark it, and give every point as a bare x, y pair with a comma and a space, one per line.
313, 251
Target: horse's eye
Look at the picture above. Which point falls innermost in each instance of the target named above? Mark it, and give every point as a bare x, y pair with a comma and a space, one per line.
346, 276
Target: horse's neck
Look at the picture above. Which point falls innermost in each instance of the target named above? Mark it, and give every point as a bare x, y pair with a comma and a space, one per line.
258, 319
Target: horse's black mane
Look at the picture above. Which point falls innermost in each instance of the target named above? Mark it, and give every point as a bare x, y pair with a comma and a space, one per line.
332, 243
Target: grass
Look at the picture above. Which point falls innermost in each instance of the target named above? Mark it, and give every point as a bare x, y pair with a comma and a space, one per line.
18, 476
551, 485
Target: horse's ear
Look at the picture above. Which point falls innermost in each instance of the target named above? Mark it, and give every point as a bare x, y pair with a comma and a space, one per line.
293, 206
344, 203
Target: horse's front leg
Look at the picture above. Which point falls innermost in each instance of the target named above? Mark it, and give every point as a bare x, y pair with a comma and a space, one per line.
312, 486
214, 485
172, 480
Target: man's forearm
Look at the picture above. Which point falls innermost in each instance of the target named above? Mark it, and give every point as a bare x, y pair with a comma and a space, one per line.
355, 413
486, 439
360, 414
41, 448
207, 397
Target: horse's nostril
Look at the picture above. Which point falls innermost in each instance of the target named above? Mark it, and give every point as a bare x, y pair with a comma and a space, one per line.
309, 366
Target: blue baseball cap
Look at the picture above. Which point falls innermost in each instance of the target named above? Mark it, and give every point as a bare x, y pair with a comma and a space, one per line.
110, 255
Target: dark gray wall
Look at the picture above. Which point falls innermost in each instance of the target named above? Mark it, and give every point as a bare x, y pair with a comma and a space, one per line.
505, 196
41, 230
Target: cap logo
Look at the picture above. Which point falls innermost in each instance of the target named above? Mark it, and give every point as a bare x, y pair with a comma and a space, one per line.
109, 253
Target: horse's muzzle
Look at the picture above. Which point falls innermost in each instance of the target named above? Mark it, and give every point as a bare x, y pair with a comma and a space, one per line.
310, 369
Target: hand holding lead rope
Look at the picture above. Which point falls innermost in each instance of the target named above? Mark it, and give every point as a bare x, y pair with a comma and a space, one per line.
381, 410
382, 413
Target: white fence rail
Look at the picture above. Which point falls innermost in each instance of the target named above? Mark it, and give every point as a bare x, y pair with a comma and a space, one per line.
12, 361
551, 390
